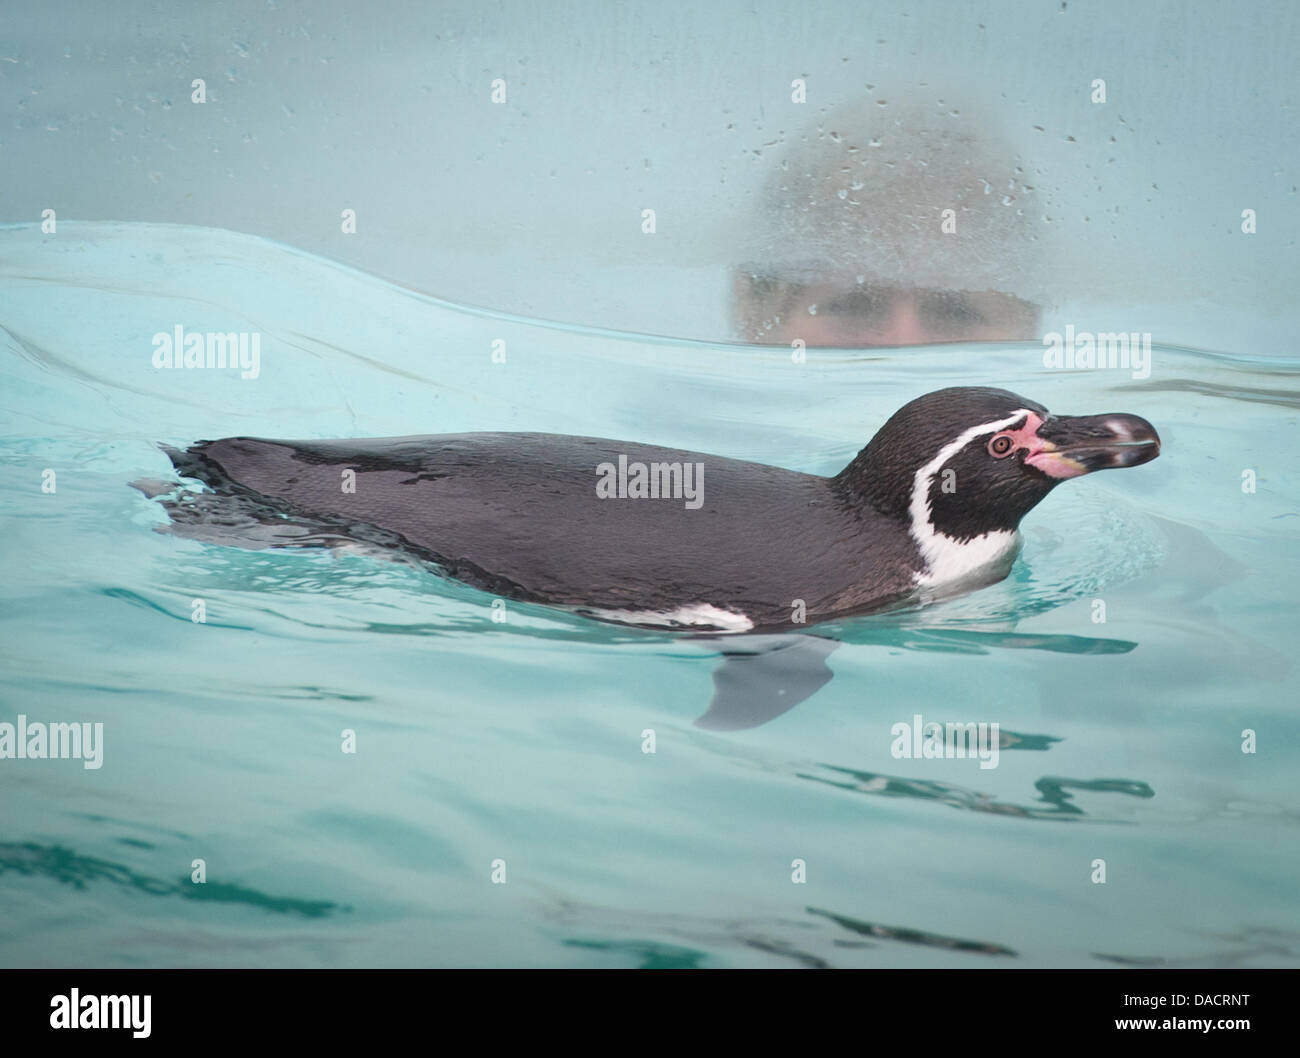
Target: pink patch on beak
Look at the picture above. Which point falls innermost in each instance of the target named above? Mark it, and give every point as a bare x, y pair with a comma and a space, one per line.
1056, 465
1042, 454
1027, 436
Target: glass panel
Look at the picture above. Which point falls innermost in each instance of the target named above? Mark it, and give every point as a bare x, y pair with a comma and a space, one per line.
1103, 163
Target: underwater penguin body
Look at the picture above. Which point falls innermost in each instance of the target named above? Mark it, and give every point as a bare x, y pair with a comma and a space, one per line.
657, 537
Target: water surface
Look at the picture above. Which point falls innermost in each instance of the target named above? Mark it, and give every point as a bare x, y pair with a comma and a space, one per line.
522, 741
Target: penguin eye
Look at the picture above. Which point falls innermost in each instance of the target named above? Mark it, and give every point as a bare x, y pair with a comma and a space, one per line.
1001, 445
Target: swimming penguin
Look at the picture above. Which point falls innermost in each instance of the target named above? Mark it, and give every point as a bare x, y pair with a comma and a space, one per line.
657, 537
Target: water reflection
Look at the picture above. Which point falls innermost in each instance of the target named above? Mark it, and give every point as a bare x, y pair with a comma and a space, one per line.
1279, 946
762, 677
69, 868
808, 942
1055, 799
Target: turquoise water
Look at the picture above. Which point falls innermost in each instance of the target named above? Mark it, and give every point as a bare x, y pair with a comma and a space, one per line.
522, 741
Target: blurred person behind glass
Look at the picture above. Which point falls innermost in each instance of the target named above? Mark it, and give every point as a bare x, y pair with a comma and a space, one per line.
850, 246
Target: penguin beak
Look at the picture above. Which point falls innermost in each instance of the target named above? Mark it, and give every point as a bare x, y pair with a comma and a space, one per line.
1079, 444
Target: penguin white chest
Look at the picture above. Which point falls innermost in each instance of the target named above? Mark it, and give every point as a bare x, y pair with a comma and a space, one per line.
948, 560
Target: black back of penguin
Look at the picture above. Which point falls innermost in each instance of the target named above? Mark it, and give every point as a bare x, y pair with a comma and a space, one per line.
519, 515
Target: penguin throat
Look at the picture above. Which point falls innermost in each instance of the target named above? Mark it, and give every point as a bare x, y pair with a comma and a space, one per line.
946, 559
981, 560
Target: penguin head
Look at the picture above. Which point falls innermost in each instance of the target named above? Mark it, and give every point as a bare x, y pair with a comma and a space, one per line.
967, 461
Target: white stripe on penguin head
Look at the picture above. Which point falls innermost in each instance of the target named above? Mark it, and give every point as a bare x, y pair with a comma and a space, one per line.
934, 545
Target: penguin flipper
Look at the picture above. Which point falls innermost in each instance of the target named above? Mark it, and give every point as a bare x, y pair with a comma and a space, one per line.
763, 676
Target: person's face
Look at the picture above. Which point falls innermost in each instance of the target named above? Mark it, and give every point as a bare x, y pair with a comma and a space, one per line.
870, 315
